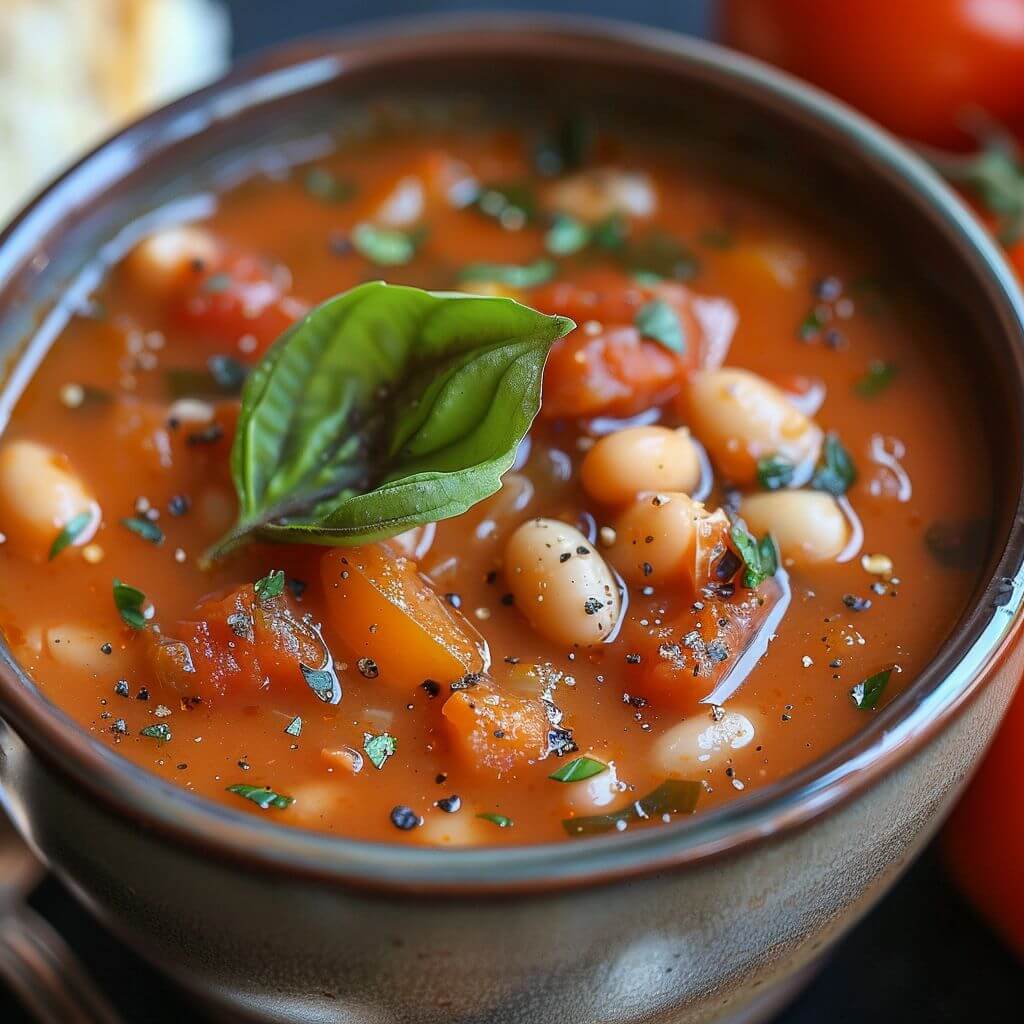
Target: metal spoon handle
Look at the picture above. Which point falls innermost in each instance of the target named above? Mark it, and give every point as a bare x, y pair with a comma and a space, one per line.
45, 974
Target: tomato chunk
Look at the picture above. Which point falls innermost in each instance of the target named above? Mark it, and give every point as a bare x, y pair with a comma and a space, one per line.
606, 366
494, 730
385, 610
708, 650
239, 644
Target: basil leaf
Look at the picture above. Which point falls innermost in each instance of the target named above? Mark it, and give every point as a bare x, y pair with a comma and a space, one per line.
760, 557
129, 601
386, 408
262, 796
566, 235
71, 531
387, 247
774, 472
497, 819
835, 472
270, 586
867, 694
161, 731
658, 321
673, 796
379, 748
328, 187
578, 769
144, 528
878, 378
528, 276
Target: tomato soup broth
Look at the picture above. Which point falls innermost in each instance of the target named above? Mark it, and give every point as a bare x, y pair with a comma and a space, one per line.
742, 522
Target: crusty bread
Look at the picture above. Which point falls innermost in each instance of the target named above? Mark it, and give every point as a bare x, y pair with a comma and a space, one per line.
71, 71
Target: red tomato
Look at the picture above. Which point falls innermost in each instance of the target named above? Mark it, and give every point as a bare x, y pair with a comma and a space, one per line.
239, 298
915, 65
984, 840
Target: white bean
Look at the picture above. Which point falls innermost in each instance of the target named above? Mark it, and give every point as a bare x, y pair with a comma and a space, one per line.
78, 646
703, 741
159, 262
39, 495
808, 526
740, 418
594, 195
654, 537
595, 794
636, 459
560, 582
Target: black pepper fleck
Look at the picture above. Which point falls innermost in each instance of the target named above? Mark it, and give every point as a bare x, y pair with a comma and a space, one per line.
454, 600
178, 505
368, 668
121, 688
450, 804
431, 687
404, 818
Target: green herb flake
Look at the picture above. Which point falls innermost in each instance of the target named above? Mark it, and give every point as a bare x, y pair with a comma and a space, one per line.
379, 747
578, 769
264, 797
129, 601
385, 408
673, 796
144, 528
835, 472
497, 819
774, 472
322, 681
760, 557
512, 205
216, 284
508, 274
566, 236
810, 327
224, 375
327, 187
161, 731
270, 586
71, 531
660, 256
867, 694
879, 376
658, 321
294, 727
386, 247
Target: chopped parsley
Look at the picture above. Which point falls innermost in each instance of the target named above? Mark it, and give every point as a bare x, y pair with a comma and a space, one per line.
160, 731
144, 528
760, 557
509, 274
379, 747
879, 376
512, 205
673, 796
835, 471
566, 235
578, 769
658, 321
262, 796
270, 586
497, 819
867, 694
294, 727
224, 375
774, 472
386, 247
72, 530
327, 187
129, 601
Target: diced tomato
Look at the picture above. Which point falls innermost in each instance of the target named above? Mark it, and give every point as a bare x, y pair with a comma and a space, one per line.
493, 730
239, 644
238, 299
691, 659
606, 366
386, 611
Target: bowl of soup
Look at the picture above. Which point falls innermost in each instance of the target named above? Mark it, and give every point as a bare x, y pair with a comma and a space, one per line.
500, 522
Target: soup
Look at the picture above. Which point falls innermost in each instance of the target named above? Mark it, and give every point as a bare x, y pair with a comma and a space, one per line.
743, 521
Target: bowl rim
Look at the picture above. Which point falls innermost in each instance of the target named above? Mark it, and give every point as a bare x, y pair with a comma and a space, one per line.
258, 843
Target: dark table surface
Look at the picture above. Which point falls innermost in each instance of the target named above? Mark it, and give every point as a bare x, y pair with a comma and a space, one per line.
921, 957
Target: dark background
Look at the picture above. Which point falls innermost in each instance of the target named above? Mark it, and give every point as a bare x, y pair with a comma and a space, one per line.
922, 957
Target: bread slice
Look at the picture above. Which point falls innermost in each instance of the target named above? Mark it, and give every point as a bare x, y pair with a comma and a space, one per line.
72, 71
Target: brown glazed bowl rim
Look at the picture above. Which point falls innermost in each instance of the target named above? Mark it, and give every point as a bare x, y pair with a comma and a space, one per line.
890, 737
